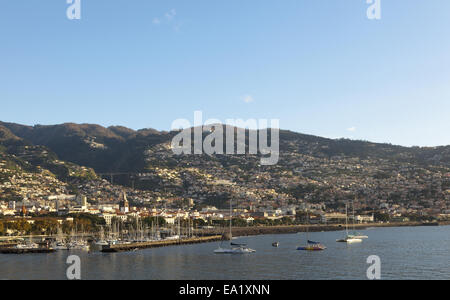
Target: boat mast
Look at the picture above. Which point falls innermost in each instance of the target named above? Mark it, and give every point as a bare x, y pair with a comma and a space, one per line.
346, 217
353, 206
307, 226
231, 219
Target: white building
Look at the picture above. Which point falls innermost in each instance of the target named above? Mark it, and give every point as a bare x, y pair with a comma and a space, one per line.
364, 219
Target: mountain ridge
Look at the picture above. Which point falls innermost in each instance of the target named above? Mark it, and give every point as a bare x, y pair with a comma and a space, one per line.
310, 168
94, 145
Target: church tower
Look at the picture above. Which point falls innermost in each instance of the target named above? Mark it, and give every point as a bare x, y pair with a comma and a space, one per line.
124, 205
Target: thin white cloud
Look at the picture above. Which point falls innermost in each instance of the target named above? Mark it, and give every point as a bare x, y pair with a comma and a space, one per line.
170, 15
168, 19
351, 129
248, 99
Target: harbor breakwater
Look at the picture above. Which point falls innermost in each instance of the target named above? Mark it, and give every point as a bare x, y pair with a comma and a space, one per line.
264, 230
158, 244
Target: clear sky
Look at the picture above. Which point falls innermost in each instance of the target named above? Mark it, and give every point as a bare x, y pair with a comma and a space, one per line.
319, 66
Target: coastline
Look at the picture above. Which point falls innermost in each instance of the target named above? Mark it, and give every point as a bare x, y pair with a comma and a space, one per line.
265, 230
218, 234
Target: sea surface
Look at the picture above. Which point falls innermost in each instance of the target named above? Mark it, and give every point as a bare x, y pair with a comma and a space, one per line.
405, 253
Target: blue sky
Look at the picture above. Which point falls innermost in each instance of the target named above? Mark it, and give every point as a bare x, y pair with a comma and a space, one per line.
319, 66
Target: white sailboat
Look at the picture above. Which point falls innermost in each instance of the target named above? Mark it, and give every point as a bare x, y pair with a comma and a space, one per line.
60, 243
101, 241
349, 239
76, 244
234, 248
356, 235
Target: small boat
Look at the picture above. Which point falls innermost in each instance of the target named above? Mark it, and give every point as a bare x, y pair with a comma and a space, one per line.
276, 244
356, 235
312, 246
79, 245
349, 239
28, 246
59, 243
234, 248
101, 243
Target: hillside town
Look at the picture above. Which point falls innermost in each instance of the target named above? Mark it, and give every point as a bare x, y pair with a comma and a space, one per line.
37, 195
389, 185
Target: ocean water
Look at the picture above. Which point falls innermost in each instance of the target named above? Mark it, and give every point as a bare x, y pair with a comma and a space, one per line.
405, 253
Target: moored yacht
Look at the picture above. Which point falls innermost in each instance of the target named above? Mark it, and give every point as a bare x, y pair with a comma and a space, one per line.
349, 239
310, 245
234, 248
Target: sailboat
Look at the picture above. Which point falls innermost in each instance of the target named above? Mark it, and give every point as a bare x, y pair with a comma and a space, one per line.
234, 248
76, 244
311, 245
101, 240
60, 244
349, 239
354, 234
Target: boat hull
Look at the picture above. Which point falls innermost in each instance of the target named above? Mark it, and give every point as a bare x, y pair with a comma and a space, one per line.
349, 241
361, 237
311, 248
234, 251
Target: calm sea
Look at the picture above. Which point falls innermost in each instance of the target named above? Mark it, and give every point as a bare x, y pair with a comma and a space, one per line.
405, 253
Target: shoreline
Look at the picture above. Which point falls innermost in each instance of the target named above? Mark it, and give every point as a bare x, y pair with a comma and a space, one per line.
266, 230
